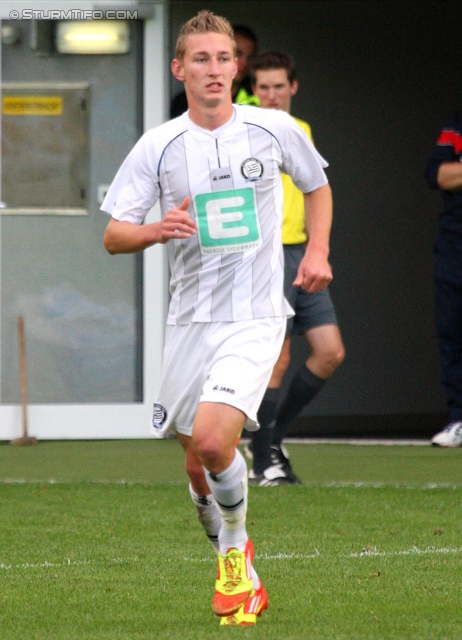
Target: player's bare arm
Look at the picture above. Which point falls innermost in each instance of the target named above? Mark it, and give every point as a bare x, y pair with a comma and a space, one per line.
450, 176
126, 237
315, 272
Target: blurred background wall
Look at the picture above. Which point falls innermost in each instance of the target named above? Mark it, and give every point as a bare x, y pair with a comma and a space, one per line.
377, 81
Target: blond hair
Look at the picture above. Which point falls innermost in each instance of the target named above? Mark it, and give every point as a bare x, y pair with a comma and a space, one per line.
204, 22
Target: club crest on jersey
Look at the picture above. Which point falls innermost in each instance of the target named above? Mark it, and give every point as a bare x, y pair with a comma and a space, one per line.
159, 416
252, 169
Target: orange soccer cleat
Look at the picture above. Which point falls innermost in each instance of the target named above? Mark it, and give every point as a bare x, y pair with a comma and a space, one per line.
247, 613
234, 584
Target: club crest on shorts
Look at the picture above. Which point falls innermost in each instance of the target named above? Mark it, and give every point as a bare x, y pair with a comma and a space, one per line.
159, 416
252, 169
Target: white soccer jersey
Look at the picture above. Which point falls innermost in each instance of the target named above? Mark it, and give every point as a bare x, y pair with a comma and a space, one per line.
232, 269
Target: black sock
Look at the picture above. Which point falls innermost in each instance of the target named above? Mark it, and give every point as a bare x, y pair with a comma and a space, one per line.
303, 388
261, 439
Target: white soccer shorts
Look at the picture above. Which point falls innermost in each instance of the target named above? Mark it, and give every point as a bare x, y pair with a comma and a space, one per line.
228, 362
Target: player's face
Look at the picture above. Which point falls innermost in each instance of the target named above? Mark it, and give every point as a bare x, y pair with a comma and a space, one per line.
207, 69
245, 49
273, 89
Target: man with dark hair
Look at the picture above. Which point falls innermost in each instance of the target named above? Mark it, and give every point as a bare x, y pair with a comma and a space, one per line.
271, 61
274, 82
216, 173
241, 88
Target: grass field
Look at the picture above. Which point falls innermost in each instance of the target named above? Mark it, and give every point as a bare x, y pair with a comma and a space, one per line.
99, 540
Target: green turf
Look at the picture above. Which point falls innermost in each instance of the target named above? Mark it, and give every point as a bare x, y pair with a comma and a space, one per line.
153, 461
369, 548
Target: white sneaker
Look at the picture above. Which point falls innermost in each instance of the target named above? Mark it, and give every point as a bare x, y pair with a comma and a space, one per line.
270, 477
451, 436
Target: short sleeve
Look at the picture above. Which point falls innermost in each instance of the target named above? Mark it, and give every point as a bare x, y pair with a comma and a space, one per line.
135, 188
301, 160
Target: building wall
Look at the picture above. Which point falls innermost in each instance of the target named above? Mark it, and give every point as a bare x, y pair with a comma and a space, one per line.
377, 80
128, 94
81, 307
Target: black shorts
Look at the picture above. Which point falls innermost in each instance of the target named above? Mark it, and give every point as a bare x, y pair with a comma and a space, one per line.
311, 309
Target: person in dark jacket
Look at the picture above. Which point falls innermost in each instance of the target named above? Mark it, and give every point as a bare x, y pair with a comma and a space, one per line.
444, 172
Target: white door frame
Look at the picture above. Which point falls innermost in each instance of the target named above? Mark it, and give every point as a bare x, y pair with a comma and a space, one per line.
113, 421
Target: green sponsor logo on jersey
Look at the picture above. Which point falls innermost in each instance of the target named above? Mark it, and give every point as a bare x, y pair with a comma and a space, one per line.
227, 221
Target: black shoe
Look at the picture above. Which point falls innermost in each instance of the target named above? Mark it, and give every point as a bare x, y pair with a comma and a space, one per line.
280, 457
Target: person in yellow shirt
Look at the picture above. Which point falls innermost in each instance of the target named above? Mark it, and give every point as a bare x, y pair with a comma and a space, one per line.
274, 83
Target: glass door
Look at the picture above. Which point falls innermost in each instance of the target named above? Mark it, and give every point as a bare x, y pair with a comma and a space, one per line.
93, 322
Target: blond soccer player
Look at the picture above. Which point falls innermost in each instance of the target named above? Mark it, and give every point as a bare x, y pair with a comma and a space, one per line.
216, 172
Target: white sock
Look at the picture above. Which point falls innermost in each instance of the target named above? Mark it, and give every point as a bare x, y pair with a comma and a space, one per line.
208, 516
229, 490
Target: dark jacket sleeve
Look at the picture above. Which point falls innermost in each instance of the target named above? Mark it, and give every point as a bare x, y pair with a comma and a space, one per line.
447, 149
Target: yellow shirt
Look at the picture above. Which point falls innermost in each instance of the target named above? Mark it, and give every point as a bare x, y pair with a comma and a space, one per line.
293, 224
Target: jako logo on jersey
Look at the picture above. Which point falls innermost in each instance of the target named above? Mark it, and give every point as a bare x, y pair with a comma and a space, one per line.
252, 169
159, 416
226, 389
223, 177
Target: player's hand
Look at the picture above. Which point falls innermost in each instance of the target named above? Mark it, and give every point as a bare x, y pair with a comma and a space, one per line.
177, 223
314, 272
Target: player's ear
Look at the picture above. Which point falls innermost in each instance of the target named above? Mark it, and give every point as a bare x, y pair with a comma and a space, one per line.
177, 70
294, 88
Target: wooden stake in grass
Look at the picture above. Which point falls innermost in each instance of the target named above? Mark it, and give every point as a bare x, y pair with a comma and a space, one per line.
25, 439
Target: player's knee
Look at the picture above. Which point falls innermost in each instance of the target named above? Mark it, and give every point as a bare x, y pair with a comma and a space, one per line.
209, 449
329, 360
335, 358
338, 356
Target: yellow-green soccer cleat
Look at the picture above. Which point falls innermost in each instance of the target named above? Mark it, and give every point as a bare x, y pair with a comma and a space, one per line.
234, 580
248, 612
